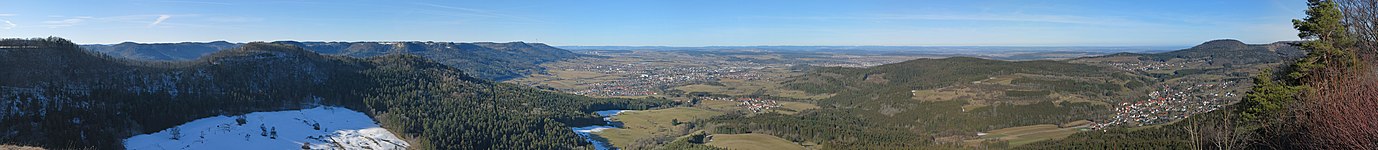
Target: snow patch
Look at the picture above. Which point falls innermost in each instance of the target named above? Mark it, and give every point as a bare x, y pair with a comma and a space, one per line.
587, 131
315, 128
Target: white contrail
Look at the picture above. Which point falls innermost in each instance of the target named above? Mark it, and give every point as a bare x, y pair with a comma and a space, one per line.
160, 20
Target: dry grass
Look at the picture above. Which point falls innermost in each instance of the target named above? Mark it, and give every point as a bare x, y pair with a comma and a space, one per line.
794, 107
1028, 134
752, 142
16, 147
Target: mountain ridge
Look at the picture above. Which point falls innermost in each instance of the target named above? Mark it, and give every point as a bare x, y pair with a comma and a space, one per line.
1223, 50
488, 60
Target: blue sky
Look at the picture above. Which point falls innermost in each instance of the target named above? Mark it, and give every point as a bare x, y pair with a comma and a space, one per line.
663, 23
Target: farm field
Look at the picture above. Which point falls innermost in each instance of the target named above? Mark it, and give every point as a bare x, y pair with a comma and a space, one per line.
638, 124
752, 142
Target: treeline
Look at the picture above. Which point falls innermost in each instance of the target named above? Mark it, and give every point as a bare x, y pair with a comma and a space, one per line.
493, 61
1105, 88
833, 130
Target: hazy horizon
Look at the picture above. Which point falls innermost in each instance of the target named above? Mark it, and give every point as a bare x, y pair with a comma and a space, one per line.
682, 24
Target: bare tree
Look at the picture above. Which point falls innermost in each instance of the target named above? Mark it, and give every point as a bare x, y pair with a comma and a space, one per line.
1340, 110
1361, 16
1193, 127
1221, 132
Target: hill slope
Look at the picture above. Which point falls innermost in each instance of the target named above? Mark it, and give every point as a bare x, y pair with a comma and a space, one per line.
57, 95
904, 93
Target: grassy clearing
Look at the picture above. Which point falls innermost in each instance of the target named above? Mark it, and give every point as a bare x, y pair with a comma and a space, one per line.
638, 124
702, 88
794, 107
565, 79
1002, 79
752, 142
1028, 134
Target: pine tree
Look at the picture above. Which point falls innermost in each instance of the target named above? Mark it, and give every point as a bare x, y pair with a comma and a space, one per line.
274, 133
176, 133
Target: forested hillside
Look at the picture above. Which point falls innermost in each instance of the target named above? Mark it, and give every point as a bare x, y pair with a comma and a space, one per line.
487, 60
493, 61
57, 95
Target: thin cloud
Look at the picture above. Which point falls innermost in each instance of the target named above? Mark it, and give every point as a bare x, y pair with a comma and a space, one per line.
1018, 17
129, 20
8, 24
195, 2
160, 20
477, 12
233, 19
7, 15
64, 22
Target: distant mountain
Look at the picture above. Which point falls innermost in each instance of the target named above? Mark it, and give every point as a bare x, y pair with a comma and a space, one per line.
488, 60
1225, 51
884, 49
1012, 53
56, 95
494, 61
161, 51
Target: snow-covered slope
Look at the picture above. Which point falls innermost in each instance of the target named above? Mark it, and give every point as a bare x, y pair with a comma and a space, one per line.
317, 128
